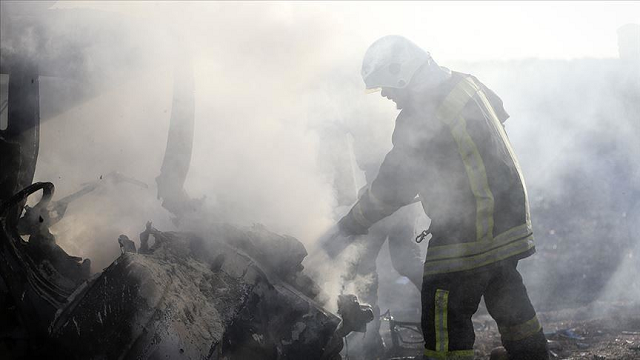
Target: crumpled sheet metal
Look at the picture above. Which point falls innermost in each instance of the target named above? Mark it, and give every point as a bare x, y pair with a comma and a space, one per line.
169, 304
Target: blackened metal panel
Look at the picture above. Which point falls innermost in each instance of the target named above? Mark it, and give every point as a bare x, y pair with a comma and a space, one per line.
19, 142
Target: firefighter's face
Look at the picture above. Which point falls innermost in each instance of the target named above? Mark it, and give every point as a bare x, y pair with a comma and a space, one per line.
398, 96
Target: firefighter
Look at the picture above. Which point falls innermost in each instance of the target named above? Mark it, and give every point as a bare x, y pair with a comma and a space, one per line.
450, 149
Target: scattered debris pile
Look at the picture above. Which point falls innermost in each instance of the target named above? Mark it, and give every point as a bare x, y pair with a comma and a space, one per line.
236, 293
585, 333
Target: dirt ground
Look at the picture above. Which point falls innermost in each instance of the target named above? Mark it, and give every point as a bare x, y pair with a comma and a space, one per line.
600, 331
589, 332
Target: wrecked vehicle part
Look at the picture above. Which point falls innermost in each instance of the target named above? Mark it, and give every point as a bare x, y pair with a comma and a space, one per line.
173, 302
354, 315
37, 290
141, 295
136, 308
54, 210
190, 298
281, 255
177, 156
19, 141
147, 305
41, 246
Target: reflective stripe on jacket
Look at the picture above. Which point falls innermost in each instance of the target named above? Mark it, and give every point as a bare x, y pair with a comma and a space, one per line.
451, 149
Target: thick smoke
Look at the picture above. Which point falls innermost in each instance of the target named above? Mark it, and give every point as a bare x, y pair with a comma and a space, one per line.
276, 83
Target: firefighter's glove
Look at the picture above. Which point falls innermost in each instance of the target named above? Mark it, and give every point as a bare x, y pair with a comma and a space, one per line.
333, 242
348, 226
340, 236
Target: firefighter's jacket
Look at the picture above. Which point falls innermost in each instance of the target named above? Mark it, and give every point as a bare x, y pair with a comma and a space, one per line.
450, 149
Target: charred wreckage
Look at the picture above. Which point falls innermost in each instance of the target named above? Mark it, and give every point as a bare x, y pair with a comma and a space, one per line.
234, 293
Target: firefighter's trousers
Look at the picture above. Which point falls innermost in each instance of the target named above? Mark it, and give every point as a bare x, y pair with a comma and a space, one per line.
449, 301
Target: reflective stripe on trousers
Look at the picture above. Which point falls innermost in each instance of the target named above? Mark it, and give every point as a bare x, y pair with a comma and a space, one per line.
442, 332
520, 331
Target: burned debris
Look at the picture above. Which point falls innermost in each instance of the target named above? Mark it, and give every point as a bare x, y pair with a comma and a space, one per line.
227, 293
192, 284
221, 297
126, 245
230, 293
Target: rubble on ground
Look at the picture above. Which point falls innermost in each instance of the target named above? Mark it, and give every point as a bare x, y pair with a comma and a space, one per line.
231, 293
585, 333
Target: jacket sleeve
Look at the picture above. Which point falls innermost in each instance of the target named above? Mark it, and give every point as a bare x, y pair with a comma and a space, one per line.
394, 187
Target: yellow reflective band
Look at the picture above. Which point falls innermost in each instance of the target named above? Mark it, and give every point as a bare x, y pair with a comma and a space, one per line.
372, 90
477, 247
454, 102
520, 332
448, 112
487, 248
477, 175
467, 263
491, 115
442, 332
449, 355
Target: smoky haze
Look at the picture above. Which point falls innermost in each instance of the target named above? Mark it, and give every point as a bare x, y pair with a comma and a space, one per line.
276, 83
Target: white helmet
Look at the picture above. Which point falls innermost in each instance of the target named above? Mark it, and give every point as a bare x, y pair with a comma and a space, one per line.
391, 62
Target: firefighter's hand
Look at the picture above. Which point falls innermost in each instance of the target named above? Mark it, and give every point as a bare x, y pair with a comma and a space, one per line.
349, 226
333, 242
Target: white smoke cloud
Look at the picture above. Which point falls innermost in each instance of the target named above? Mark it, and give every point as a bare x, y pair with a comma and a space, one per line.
270, 76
